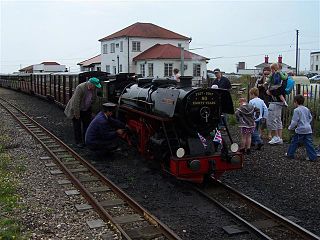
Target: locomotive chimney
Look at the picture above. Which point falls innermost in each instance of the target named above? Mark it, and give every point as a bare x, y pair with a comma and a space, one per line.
185, 81
280, 59
266, 59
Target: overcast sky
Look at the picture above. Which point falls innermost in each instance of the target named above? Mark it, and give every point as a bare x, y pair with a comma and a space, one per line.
226, 31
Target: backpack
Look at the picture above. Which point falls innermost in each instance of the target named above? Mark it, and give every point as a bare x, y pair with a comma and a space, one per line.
289, 86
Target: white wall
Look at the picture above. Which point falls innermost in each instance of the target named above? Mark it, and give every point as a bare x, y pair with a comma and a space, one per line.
48, 68
315, 61
249, 71
145, 43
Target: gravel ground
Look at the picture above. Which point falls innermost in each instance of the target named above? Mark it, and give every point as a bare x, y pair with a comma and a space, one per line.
296, 182
46, 212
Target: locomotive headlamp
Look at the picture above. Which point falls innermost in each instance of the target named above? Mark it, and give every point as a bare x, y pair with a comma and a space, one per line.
180, 152
234, 147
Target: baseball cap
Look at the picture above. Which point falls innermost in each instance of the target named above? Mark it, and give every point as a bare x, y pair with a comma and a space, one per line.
216, 70
95, 81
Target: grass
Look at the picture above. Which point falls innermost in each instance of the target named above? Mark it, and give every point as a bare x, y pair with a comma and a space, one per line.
10, 227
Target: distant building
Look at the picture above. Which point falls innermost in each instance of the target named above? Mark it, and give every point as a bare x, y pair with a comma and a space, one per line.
137, 49
91, 64
242, 70
285, 67
44, 67
315, 62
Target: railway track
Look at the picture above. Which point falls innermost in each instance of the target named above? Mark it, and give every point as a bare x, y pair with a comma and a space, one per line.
253, 216
114, 206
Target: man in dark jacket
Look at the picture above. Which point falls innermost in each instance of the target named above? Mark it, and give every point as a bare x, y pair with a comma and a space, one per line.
104, 130
221, 81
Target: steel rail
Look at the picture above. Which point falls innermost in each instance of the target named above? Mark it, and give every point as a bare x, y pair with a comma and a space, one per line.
167, 232
306, 234
295, 228
257, 231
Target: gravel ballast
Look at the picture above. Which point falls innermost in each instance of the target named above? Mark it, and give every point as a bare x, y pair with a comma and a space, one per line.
289, 187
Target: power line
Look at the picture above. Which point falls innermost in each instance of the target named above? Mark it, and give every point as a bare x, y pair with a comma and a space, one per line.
248, 40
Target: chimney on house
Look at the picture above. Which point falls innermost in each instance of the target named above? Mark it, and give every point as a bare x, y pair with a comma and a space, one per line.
266, 59
280, 59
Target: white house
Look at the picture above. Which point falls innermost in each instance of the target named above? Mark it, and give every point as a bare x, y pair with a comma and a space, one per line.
119, 50
315, 62
161, 59
91, 64
44, 67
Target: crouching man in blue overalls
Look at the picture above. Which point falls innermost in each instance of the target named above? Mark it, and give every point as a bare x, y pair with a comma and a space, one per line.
103, 133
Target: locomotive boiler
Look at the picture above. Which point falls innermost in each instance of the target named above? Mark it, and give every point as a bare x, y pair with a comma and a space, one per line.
176, 125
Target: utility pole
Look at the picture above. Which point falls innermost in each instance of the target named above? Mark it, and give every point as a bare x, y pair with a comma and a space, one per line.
297, 53
182, 59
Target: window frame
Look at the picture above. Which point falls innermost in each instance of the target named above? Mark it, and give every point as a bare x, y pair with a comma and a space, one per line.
195, 69
150, 66
136, 46
168, 67
143, 69
121, 46
112, 48
105, 48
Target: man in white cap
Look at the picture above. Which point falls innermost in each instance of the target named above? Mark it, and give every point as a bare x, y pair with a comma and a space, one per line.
79, 108
103, 132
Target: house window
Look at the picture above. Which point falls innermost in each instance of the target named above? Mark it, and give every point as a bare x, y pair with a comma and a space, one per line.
136, 46
142, 70
196, 70
112, 48
121, 46
168, 69
114, 70
150, 69
98, 69
317, 58
108, 68
120, 68
117, 45
185, 67
105, 48
317, 68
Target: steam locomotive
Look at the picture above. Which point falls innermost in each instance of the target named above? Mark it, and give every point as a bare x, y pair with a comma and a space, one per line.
171, 123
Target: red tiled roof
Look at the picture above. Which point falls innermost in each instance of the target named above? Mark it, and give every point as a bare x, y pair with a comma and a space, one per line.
167, 51
93, 60
50, 63
145, 30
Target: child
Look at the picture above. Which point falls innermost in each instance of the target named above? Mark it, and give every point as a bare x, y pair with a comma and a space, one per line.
258, 103
301, 120
245, 116
274, 83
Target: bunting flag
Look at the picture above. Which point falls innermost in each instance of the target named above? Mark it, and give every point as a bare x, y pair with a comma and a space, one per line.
218, 137
203, 140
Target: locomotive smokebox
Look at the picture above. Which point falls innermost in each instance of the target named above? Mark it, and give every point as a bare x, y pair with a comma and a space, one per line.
185, 81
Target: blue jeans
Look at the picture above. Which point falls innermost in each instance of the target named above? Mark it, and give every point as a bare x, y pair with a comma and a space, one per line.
307, 140
255, 137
